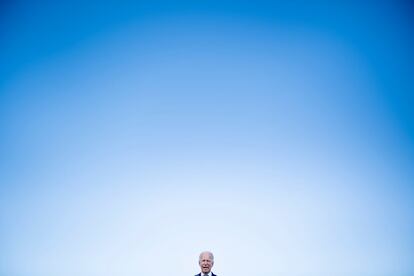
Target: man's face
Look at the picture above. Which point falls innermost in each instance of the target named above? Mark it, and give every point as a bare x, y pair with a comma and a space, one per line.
206, 263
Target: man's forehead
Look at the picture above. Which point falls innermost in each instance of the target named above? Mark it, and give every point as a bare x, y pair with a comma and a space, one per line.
205, 256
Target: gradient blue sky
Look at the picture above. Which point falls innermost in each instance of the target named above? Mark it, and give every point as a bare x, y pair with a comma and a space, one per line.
135, 135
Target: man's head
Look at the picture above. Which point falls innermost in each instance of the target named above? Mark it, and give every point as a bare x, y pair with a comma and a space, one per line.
206, 261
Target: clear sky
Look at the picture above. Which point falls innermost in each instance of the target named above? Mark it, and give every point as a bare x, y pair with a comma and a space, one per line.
135, 135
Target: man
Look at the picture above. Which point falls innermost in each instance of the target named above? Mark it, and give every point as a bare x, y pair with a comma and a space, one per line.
206, 262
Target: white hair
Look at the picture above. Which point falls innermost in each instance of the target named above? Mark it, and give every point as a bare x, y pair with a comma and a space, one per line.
211, 256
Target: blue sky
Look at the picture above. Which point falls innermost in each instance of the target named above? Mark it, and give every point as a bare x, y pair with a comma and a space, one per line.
135, 135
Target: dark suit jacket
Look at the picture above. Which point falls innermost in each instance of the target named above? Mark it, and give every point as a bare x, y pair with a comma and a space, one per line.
199, 274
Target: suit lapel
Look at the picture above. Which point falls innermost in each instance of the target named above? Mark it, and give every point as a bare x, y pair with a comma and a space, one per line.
212, 274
